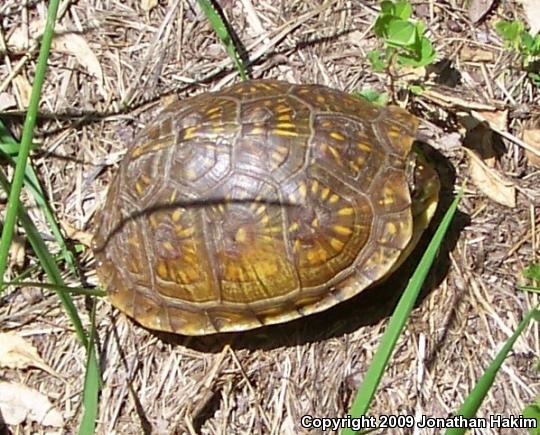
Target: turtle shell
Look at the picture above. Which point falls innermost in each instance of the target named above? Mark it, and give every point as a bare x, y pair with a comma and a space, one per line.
254, 205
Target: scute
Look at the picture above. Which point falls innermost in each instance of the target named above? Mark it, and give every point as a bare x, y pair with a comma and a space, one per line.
254, 205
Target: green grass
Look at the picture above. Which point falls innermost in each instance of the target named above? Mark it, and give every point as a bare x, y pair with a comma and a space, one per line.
24, 173
515, 37
376, 369
404, 42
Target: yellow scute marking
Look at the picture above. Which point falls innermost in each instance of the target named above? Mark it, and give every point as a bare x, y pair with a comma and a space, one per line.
325, 192
302, 189
162, 270
391, 228
285, 133
176, 215
315, 256
337, 244
189, 132
293, 227
340, 229
336, 135
241, 235
213, 110
345, 211
168, 245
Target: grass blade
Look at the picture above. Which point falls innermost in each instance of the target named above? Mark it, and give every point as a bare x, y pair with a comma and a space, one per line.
223, 33
31, 182
48, 263
406, 303
26, 140
476, 396
91, 384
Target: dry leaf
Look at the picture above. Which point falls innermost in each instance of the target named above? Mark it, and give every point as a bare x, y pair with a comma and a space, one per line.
532, 14
497, 119
7, 101
19, 403
17, 353
24, 89
77, 46
73, 233
17, 252
64, 41
479, 137
478, 9
148, 5
490, 182
532, 137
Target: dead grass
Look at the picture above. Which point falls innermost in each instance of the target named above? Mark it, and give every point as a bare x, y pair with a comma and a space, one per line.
264, 382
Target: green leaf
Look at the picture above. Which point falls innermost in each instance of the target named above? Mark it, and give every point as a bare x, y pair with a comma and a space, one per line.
532, 271
416, 89
400, 34
510, 31
403, 10
373, 96
532, 411
381, 25
527, 43
426, 56
377, 60
387, 8
535, 78
420, 28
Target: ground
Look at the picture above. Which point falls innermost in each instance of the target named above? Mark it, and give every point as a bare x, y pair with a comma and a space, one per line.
116, 64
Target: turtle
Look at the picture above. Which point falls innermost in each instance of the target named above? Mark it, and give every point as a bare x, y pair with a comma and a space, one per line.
258, 204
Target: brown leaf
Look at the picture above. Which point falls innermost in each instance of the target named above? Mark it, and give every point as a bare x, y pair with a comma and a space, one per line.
19, 403
7, 101
532, 137
497, 119
73, 233
77, 46
64, 41
490, 182
17, 353
17, 252
24, 89
478, 9
479, 137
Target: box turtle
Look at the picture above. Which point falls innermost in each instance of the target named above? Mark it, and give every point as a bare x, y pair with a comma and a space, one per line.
258, 204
